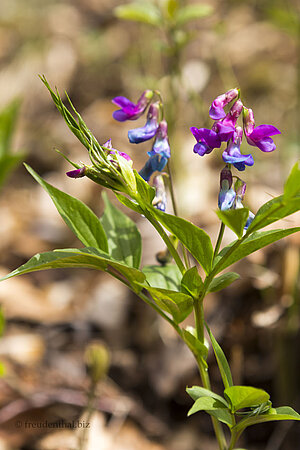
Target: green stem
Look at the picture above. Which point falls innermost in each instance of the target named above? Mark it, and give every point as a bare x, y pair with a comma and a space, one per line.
219, 240
166, 239
89, 411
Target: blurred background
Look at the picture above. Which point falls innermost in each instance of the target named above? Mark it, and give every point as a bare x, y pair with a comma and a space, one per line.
91, 50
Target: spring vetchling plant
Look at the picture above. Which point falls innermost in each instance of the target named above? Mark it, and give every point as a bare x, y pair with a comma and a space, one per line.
174, 288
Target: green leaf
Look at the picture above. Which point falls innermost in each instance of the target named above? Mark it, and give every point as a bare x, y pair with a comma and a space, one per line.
214, 408
79, 218
235, 219
128, 203
276, 209
2, 369
192, 283
281, 413
222, 281
171, 7
123, 237
2, 322
90, 258
144, 12
245, 397
292, 185
8, 118
221, 360
179, 305
146, 192
197, 392
166, 277
199, 349
193, 238
192, 12
250, 245
8, 162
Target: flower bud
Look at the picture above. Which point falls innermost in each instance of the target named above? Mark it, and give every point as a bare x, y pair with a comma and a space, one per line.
77, 173
160, 199
97, 361
216, 110
248, 120
226, 195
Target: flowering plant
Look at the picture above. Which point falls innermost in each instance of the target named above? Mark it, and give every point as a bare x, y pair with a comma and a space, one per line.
113, 242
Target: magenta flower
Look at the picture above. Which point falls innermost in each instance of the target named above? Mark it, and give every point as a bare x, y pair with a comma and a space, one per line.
149, 130
113, 151
77, 173
129, 110
259, 136
216, 110
206, 139
233, 155
226, 127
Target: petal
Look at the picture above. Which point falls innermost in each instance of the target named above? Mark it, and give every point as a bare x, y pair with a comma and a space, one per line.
143, 134
209, 137
123, 102
226, 199
263, 131
225, 132
120, 115
201, 149
161, 147
266, 144
216, 112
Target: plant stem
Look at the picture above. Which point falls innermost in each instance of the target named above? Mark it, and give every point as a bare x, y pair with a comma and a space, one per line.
219, 240
89, 412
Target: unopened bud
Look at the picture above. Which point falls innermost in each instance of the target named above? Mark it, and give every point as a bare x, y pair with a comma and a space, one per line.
77, 173
97, 361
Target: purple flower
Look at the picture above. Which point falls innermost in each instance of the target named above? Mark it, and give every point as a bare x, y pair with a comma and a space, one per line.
161, 145
206, 139
77, 173
148, 131
113, 151
216, 110
233, 155
155, 163
227, 194
259, 136
129, 110
226, 127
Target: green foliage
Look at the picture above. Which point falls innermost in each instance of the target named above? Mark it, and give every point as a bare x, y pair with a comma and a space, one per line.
245, 397
90, 258
292, 184
79, 218
127, 172
197, 348
123, 237
179, 305
145, 12
8, 160
193, 238
192, 12
192, 283
2, 322
165, 277
213, 407
221, 360
239, 249
222, 281
197, 392
235, 219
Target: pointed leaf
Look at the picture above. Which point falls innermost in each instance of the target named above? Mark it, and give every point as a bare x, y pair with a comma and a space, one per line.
79, 218
214, 408
8, 118
8, 162
166, 277
127, 171
245, 397
128, 203
249, 245
222, 281
197, 392
199, 350
235, 219
292, 185
179, 305
146, 192
139, 12
123, 237
192, 283
193, 238
221, 360
192, 12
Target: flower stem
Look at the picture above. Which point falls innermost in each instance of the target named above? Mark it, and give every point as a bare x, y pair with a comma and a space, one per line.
219, 240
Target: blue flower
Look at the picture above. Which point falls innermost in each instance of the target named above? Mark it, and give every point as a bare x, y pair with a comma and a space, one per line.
155, 163
227, 194
161, 144
233, 155
148, 131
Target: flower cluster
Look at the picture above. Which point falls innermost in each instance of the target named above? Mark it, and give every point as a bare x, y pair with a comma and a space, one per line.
154, 127
232, 197
225, 129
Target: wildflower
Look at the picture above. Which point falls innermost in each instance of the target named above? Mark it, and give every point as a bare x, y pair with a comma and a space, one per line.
227, 194
226, 127
161, 144
216, 110
129, 110
149, 130
206, 139
240, 189
108, 145
155, 163
160, 199
77, 173
258, 136
232, 153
